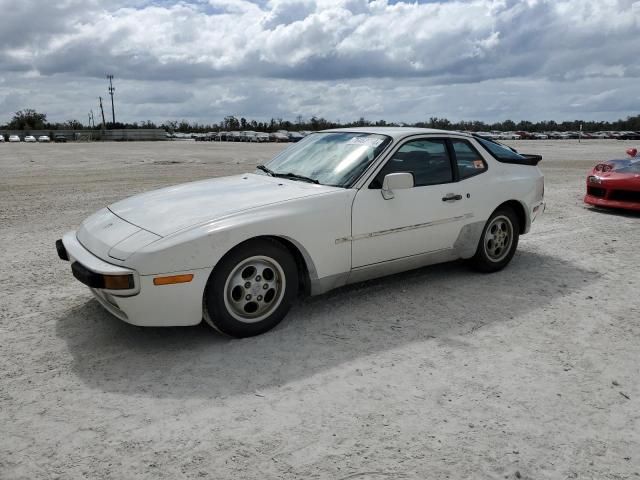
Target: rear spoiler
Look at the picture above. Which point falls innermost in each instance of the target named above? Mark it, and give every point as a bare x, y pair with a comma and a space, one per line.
529, 159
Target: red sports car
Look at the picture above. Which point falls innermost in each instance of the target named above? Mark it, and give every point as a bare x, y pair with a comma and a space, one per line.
615, 183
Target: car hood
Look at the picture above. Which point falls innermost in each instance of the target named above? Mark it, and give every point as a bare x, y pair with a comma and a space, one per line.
171, 209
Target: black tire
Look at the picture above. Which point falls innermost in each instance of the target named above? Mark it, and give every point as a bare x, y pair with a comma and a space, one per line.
236, 301
494, 257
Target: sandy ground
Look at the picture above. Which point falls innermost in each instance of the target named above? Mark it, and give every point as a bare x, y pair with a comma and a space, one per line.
432, 374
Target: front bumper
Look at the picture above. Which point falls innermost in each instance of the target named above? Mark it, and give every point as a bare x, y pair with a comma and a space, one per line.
91, 270
145, 304
607, 203
613, 194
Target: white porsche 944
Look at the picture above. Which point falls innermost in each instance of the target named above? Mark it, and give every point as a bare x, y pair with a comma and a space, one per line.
340, 206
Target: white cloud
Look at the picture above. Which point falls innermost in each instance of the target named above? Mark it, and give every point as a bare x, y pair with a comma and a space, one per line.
301, 50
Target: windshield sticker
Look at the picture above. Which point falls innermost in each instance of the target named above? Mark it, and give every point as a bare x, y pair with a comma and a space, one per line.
368, 141
478, 164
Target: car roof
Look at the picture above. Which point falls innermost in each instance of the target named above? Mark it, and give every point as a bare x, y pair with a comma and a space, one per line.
397, 132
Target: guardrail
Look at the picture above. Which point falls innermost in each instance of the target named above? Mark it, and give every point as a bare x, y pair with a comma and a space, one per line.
117, 135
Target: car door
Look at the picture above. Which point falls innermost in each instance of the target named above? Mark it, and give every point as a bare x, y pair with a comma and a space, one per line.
476, 189
422, 219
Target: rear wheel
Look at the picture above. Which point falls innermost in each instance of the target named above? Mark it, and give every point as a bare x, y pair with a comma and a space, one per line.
251, 289
498, 242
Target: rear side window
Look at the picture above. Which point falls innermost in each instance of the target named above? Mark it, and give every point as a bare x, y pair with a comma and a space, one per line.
468, 160
427, 159
500, 152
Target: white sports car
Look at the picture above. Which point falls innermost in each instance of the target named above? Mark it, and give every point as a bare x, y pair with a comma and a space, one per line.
340, 206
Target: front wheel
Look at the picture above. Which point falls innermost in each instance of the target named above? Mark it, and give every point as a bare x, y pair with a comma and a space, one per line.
498, 242
251, 289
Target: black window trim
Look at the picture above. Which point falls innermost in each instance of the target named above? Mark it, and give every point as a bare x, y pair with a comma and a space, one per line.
455, 159
404, 141
527, 159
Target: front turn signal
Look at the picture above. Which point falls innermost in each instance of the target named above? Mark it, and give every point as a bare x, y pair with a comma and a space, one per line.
186, 278
118, 282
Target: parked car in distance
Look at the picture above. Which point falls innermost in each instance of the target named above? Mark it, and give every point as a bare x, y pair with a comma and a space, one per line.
262, 137
181, 136
340, 206
30, 139
248, 136
508, 136
629, 136
295, 137
600, 135
278, 137
59, 138
1, 138
540, 136
14, 138
524, 135
487, 135
44, 139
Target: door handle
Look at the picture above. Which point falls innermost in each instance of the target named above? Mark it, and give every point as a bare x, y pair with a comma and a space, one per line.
451, 197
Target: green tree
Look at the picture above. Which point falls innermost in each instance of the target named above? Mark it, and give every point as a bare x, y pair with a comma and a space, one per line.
72, 125
231, 123
170, 125
27, 119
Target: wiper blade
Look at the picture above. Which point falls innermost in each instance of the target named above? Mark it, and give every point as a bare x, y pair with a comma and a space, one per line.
290, 175
295, 176
266, 170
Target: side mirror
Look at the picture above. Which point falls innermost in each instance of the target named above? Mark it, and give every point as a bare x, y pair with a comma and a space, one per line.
396, 181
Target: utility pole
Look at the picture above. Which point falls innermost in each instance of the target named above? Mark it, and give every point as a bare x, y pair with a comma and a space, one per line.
91, 120
111, 92
104, 124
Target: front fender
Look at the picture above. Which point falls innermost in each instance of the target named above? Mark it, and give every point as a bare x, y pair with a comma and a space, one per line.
311, 224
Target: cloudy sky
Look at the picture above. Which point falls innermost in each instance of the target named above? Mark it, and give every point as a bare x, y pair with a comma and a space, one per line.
402, 61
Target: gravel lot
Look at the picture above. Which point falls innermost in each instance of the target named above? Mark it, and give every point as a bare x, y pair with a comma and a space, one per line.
438, 373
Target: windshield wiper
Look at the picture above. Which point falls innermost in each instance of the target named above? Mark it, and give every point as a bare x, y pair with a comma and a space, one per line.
290, 175
295, 176
268, 171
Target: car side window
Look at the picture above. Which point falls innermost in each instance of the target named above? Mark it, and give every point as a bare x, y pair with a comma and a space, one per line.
469, 161
427, 159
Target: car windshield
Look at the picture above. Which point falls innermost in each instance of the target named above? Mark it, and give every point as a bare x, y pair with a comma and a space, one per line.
633, 167
331, 158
